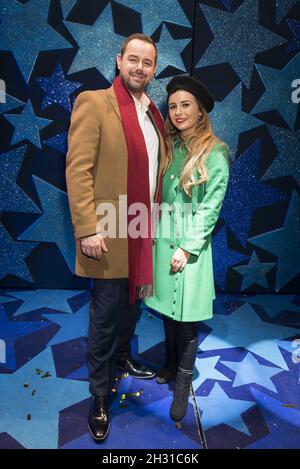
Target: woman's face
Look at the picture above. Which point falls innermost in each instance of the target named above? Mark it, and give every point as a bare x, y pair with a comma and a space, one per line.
184, 111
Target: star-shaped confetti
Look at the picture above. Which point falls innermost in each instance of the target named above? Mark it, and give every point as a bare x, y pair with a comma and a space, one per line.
41, 299
275, 304
13, 256
12, 198
205, 368
58, 89
98, 45
294, 44
246, 193
54, 225
244, 328
72, 326
169, 50
230, 110
27, 125
249, 370
287, 162
217, 408
231, 44
283, 7
154, 12
149, 330
51, 396
254, 273
19, 37
278, 90
12, 331
284, 243
224, 257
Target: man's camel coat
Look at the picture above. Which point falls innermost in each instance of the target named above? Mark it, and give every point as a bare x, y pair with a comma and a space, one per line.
96, 172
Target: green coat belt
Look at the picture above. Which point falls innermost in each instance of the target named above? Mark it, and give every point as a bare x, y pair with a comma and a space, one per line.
188, 295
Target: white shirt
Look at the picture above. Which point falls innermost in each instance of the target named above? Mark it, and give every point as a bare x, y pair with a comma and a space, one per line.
151, 140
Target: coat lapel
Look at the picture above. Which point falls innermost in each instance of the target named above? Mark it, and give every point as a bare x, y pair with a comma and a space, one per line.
113, 101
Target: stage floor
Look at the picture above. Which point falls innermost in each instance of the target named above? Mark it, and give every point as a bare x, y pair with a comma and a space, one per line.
246, 385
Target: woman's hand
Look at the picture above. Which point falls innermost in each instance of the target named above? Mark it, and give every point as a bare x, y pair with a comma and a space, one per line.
179, 260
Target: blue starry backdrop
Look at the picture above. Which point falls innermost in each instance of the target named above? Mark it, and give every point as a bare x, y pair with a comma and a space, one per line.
246, 51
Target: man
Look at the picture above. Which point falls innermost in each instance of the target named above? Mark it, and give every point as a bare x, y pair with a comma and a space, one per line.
116, 148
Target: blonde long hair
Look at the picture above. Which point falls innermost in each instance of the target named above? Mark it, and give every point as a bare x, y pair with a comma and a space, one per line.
198, 145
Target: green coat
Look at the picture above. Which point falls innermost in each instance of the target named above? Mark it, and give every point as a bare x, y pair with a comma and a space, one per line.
188, 295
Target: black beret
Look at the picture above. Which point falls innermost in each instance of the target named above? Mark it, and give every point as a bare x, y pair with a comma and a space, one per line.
193, 86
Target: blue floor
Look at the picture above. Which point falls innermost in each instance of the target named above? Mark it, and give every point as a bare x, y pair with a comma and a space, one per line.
246, 382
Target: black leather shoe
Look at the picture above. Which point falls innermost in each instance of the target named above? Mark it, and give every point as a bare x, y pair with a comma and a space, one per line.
98, 421
135, 369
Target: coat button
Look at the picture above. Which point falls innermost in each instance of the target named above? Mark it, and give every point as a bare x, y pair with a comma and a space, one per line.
172, 246
172, 177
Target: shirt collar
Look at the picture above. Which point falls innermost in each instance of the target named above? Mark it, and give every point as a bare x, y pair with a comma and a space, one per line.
143, 103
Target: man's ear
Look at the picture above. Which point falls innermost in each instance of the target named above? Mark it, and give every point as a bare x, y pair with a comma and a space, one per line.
119, 58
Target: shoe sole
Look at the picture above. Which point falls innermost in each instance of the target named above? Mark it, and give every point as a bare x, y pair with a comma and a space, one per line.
138, 377
103, 437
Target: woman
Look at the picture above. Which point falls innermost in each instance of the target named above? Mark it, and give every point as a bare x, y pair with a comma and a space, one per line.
194, 186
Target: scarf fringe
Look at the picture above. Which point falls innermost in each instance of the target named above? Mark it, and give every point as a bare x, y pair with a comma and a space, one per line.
144, 291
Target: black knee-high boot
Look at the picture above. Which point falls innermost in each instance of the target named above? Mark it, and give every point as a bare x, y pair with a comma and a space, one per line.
168, 372
187, 351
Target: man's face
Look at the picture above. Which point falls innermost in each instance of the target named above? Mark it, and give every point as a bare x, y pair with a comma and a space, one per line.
137, 66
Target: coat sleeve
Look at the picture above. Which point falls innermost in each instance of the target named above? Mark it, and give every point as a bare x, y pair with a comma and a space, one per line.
83, 143
206, 216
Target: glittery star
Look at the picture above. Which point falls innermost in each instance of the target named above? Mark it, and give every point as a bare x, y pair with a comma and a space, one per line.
244, 328
294, 44
56, 213
149, 331
72, 325
246, 193
283, 7
287, 162
231, 44
157, 92
98, 45
218, 408
284, 243
224, 257
230, 110
52, 396
27, 125
50, 299
12, 198
13, 255
11, 331
278, 90
58, 142
67, 6
205, 369
154, 12
249, 370
9, 103
25, 43
274, 304
58, 89
254, 273
169, 50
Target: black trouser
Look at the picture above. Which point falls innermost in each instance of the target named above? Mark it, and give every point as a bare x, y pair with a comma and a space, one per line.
184, 335
111, 327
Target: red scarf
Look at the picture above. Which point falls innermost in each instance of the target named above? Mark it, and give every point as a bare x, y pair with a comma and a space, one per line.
139, 249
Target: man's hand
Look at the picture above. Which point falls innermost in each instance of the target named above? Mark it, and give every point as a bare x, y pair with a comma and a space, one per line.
92, 246
179, 260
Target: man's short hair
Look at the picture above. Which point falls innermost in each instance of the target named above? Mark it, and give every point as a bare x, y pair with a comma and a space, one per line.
141, 37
